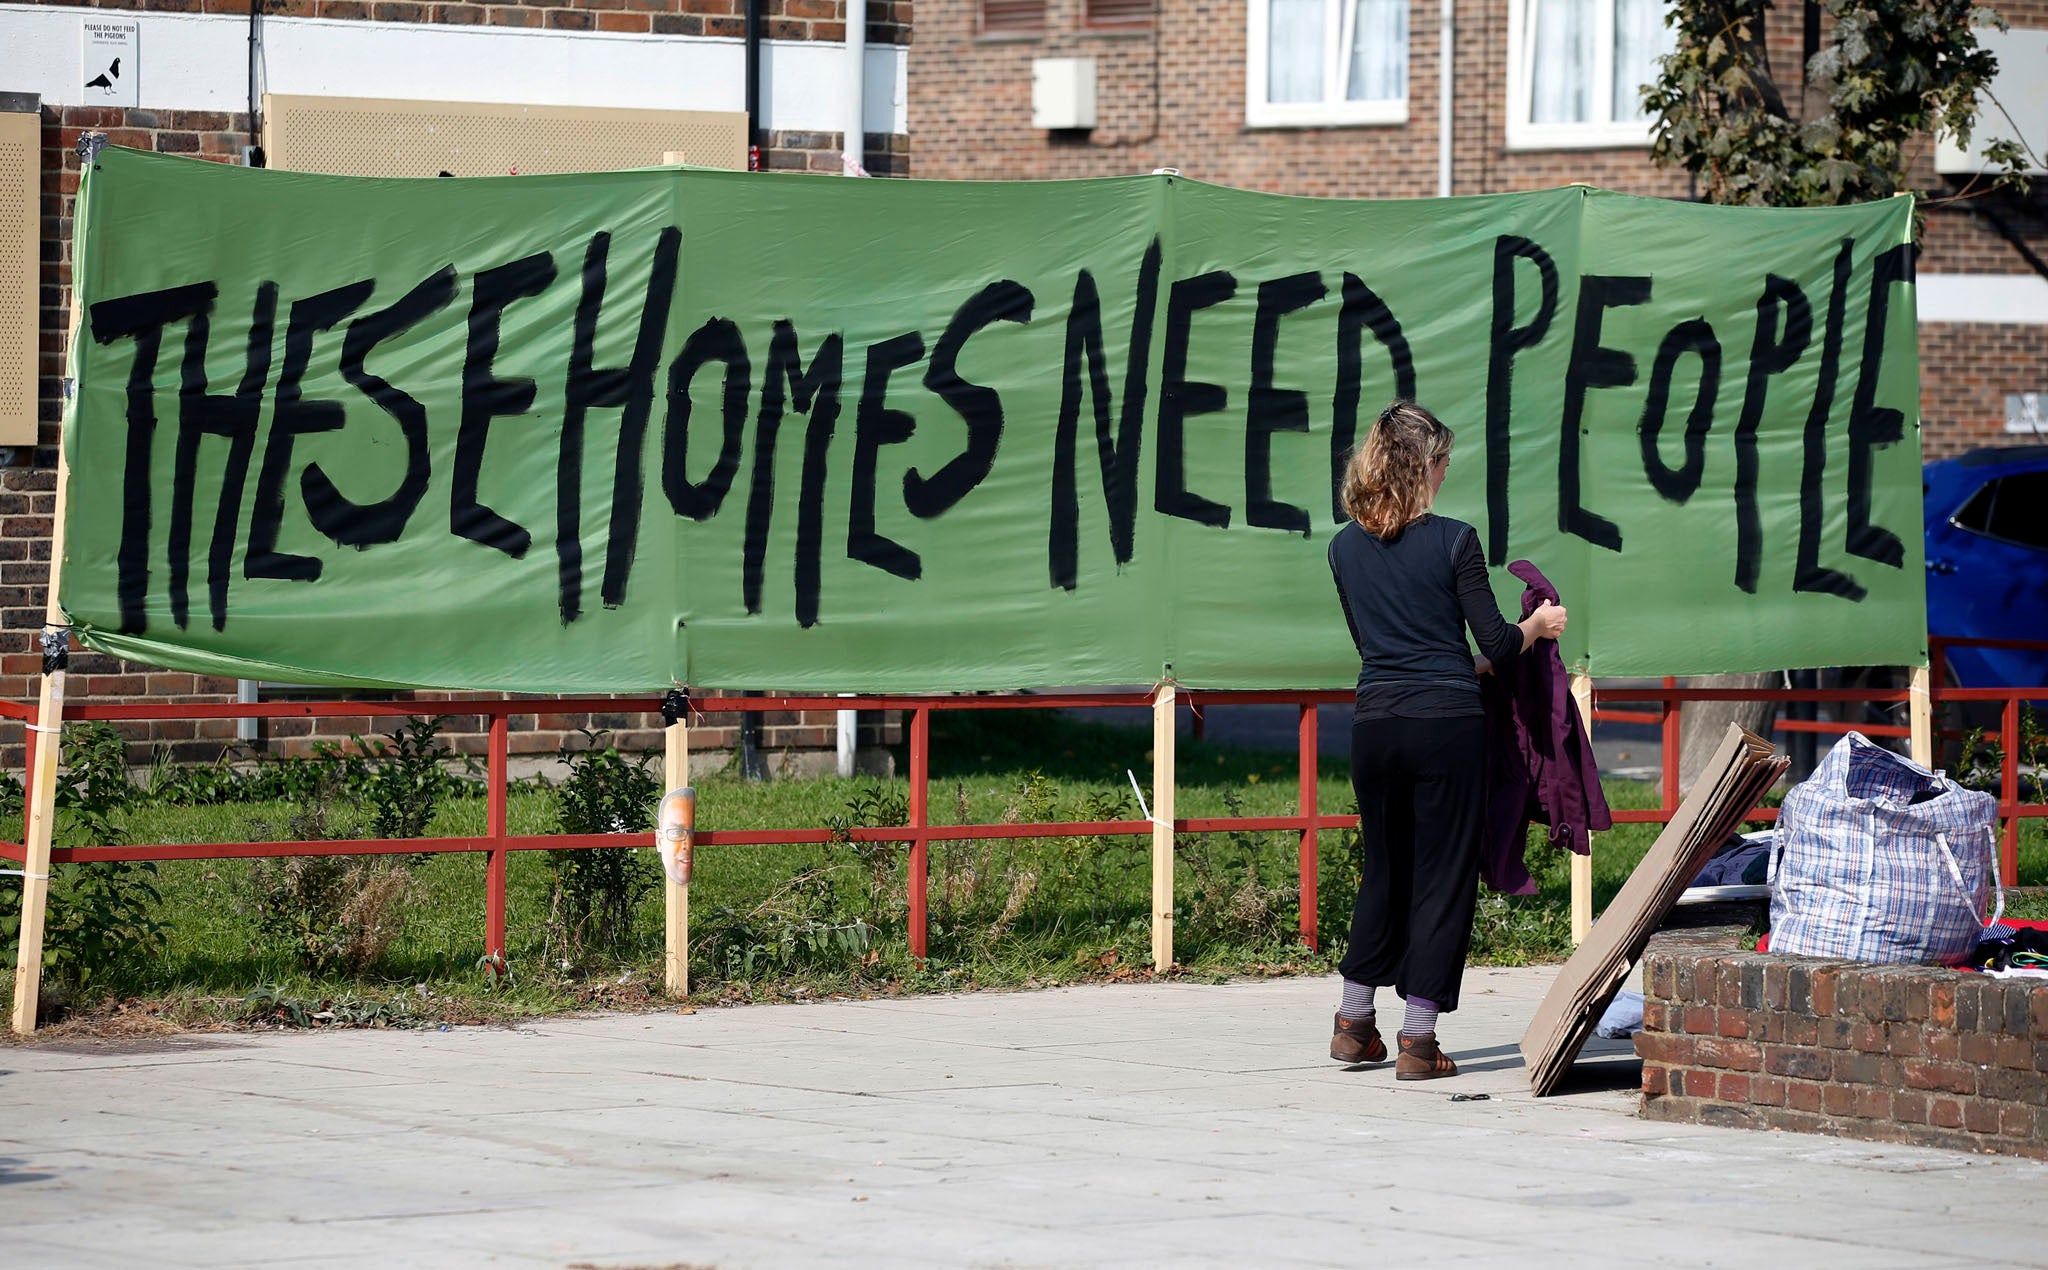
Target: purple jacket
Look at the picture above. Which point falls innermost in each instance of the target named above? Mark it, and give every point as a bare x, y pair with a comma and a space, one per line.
1539, 764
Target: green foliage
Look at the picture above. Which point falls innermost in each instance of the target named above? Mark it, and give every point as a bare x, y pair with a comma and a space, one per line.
406, 780
1982, 765
332, 913
596, 890
269, 1004
874, 806
1889, 72
1221, 896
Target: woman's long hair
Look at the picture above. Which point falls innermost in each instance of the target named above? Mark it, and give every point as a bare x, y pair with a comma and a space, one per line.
1387, 482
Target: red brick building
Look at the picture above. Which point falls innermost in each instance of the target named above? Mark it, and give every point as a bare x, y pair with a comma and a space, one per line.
1258, 94
615, 82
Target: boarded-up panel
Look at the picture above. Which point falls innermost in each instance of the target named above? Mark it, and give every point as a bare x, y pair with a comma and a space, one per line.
364, 137
20, 155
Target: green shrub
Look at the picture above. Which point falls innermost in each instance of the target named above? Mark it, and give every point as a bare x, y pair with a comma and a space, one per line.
596, 889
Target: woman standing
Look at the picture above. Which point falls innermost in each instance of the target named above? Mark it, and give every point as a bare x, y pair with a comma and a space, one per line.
1411, 583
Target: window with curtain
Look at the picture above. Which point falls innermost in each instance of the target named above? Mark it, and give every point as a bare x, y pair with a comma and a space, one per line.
1577, 70
1326, 62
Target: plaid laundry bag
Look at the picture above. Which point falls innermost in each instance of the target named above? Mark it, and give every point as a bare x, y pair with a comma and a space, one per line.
1879, 859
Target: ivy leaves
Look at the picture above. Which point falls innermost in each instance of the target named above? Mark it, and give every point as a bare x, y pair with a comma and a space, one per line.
1890, 73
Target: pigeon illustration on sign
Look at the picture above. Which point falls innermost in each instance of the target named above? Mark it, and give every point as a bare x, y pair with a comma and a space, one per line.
106, 78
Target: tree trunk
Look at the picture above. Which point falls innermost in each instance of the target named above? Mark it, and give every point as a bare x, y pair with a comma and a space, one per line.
1704, 722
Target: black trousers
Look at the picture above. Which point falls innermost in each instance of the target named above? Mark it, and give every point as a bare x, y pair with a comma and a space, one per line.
1421, 786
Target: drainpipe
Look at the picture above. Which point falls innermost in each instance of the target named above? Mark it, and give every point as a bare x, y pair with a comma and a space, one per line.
1447, 25
753, 92
853, 110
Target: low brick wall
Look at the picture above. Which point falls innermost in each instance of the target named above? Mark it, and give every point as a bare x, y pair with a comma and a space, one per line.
1912, 1054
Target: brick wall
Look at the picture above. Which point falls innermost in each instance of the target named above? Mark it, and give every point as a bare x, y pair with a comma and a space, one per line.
804, 743
888, 20
1912, 1054
1174, 96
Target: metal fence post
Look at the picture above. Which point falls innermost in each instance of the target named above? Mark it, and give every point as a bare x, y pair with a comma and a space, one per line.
1309, 863
498, 773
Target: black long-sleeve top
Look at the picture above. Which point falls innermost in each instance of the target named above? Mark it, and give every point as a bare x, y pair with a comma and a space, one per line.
1409, 602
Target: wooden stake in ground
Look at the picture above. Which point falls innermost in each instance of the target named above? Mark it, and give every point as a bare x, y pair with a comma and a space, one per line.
1162, 826
675, 888
1582, 865
1920, 712
49, 720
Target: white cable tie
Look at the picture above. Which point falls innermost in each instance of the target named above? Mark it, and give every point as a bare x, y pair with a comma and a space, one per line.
21, 873
1149, 817
37, 727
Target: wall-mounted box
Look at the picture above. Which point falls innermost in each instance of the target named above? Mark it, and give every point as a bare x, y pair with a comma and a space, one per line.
1063, 92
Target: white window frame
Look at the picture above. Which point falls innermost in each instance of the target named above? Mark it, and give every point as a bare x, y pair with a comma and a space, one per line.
1601, 132
1260, 113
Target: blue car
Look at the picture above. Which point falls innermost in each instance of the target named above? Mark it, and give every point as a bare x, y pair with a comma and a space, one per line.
1987, 561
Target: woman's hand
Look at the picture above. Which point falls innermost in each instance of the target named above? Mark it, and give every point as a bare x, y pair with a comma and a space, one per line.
1547, 622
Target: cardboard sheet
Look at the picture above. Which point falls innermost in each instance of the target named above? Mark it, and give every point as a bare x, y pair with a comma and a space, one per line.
1743, 769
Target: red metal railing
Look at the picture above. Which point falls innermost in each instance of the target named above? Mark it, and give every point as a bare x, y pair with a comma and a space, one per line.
1671, 699
497, 842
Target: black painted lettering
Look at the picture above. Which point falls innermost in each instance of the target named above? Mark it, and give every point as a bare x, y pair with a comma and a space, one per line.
1181, 398
1771, 352
980, 408
486, 397
590, 388
232, 417
874, 426
814, 392
1809, 575
1872, 427
1269, 409
142, 318
718, 340
359, 525
291, 418
1116, 454
1693, 337
1505, 341
1362, 311
1592, 366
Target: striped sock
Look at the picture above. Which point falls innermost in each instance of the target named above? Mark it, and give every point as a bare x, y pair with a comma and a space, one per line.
1421, 1019
1357, 1002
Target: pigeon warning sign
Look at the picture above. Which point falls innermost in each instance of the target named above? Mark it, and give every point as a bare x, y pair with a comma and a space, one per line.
108, 62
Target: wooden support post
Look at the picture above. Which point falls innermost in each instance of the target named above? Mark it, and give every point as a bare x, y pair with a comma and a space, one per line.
1162, 826
1920, 716
675, 773
1582, 865
48, 746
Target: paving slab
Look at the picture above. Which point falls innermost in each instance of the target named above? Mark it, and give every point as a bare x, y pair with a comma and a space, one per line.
1112, 1125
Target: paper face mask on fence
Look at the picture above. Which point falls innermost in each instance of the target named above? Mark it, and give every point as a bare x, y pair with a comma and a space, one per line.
675, 834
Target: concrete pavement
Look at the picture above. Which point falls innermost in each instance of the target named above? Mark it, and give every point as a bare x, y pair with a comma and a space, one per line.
1126, 1125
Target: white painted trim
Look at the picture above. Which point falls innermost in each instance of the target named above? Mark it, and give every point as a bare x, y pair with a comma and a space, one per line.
200, 62
1599, 134
2011, 299
1260, 113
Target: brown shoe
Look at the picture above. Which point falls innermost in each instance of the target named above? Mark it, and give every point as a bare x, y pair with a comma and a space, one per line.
1421, 1059
1357, 1041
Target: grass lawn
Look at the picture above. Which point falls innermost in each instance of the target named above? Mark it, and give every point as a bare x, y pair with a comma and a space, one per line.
794, 920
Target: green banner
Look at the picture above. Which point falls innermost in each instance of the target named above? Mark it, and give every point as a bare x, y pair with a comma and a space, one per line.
605, 433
